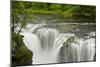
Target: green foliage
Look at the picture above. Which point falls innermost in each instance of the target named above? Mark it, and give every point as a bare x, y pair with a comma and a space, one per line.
65, 10
71, 11
21, 55
55, 7
20, 14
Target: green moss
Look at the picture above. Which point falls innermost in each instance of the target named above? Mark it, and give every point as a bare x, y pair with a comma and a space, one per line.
21, 55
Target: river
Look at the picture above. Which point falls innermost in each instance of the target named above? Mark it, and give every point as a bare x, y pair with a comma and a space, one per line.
54, 40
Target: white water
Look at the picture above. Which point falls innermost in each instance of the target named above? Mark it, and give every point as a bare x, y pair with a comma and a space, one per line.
46, 44
80, 50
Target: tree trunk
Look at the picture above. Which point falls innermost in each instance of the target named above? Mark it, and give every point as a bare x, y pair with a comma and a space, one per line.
21, 28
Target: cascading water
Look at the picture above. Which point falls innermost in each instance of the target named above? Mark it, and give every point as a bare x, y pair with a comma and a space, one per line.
78, 50
51, 46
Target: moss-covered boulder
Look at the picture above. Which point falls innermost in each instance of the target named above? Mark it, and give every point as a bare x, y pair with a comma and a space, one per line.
21, 55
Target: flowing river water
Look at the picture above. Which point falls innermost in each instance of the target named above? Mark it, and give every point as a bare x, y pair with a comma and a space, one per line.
59, 42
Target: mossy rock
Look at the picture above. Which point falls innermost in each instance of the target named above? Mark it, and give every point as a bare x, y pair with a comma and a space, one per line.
21, 55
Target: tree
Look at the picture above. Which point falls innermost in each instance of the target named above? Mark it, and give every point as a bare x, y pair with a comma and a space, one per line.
20, 15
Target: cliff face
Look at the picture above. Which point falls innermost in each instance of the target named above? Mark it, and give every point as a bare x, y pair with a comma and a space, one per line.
21, 55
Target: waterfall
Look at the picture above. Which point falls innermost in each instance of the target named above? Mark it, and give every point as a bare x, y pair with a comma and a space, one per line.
51, 46
78, 50
47, 37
